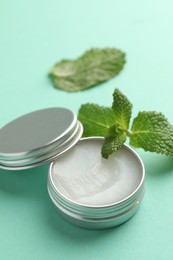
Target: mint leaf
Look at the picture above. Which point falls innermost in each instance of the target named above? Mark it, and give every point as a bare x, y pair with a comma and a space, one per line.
113, 141
122, 108
96, 119
117, 133
92, 68
152, 132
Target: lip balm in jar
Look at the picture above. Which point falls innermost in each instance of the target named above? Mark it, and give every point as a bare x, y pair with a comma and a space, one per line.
93, 192
86, 189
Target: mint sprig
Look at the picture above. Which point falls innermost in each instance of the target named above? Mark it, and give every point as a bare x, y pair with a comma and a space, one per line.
150, 130
93, 67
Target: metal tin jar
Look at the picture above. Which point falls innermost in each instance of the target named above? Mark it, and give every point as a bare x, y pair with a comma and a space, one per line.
96, 212
86, 189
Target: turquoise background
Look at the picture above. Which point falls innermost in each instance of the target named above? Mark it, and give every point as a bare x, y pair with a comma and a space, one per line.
33, 36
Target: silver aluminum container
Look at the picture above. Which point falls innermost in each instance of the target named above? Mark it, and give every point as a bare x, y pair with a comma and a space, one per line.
98, 217
45, 135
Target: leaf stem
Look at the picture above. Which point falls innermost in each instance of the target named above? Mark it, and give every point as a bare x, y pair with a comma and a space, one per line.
129, 133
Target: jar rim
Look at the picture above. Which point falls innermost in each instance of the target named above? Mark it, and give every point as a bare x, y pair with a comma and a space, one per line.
139, 187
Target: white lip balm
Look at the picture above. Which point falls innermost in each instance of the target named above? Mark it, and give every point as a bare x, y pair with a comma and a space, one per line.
94, 192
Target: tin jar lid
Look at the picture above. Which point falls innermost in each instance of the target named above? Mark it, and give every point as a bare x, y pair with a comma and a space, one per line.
38, 137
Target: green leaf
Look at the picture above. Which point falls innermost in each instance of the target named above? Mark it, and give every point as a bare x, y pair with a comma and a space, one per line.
96, 119
92, 68
122, 108
113, 141
112, 123
152, 132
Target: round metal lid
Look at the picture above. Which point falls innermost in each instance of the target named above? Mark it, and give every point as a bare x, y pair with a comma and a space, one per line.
38, 137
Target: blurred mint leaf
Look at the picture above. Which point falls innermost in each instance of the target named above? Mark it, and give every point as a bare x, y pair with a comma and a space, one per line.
96, 119
113, 141
152, 132
93, 67
122, 108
